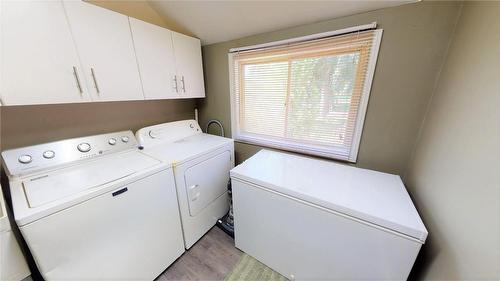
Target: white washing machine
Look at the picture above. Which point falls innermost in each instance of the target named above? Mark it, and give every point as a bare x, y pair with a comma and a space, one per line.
12, 263
95, 208
201, 164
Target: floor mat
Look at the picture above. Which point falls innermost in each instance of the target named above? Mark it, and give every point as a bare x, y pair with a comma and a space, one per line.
250, 269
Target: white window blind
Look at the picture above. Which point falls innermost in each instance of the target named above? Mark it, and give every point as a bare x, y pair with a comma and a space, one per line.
308, 96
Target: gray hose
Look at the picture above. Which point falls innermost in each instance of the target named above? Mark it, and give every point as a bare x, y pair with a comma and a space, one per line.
216, 122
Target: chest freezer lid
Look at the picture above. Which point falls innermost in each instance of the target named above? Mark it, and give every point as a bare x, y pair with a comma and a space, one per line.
371, 196
44, 189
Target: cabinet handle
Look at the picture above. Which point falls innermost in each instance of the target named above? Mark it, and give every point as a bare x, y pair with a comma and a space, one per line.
175, 84
95, 80
183, 85
78, 85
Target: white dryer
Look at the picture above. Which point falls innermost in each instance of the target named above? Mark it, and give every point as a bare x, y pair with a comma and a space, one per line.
201, 164
95, 208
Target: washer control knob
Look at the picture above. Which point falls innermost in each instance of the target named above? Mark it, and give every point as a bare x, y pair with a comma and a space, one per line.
25, 159
84, 147
112, 141
125, 139
49, 154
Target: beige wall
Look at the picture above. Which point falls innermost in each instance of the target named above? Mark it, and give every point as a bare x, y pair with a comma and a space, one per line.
29, 125
141, 9
455, 175
136, 9
414, 43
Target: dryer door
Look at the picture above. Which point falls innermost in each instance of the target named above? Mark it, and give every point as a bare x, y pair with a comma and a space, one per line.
207, 181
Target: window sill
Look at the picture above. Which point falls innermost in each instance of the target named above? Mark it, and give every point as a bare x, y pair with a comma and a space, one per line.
290, 148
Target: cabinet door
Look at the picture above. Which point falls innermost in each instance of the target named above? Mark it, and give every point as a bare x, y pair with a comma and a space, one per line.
155, 57
38, 60
104, 43
189, 66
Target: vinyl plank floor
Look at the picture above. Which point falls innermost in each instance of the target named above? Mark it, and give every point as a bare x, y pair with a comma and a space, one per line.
211, 258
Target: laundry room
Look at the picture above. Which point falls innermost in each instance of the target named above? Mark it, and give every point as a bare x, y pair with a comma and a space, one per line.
249, 140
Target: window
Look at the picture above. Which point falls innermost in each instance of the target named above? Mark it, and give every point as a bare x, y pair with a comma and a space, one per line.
309, 96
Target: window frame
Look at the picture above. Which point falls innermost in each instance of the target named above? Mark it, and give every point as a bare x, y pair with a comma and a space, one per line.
302, 147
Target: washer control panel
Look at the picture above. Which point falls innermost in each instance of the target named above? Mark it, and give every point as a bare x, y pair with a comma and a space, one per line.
26, 160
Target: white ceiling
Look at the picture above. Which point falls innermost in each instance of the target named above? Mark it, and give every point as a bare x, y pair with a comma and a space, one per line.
218, 21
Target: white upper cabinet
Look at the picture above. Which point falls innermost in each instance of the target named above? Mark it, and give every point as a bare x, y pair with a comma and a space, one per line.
71, 51
189, 65
155, 57
38, 60
104, 43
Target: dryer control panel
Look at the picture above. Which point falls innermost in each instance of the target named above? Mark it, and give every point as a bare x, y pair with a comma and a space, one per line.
167, 132
31, 159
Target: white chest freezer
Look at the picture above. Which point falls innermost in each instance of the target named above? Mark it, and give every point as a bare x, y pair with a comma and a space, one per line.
312, 219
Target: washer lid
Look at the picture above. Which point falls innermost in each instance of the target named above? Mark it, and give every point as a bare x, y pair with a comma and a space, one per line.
43, 189
375, 197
